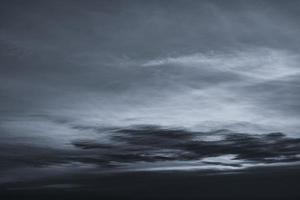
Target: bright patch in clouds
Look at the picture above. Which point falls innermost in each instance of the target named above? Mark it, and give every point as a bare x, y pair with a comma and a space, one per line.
259, 63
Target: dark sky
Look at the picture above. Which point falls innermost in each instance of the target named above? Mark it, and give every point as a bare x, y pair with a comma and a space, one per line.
80, 79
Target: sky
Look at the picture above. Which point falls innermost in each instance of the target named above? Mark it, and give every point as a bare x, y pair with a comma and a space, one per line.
145, 85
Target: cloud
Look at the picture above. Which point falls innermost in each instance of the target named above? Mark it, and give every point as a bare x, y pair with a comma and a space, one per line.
258, 63
214, 84
155, 147
159, 144
207, 61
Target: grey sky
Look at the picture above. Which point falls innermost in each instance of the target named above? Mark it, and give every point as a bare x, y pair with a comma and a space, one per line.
197, 65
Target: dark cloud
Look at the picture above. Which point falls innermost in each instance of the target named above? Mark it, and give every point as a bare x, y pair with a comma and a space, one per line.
153, 144
145, 143
158, 144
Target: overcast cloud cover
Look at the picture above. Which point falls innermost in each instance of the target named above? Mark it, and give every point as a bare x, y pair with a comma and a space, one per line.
98, 84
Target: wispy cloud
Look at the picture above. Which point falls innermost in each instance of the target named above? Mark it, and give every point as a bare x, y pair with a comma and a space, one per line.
258, 63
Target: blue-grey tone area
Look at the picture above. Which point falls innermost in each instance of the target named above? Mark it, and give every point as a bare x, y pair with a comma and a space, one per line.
98, 95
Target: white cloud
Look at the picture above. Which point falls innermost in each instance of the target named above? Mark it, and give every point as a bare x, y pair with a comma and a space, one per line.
258, 63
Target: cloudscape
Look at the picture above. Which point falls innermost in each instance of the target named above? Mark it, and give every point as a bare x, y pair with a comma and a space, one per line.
183, 97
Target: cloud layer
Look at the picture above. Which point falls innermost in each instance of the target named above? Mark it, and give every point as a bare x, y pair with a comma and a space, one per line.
154, 147
148, 85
